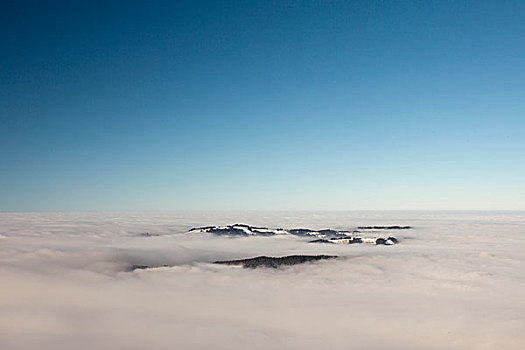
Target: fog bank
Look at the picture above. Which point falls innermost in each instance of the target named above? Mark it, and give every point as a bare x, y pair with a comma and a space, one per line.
455, 281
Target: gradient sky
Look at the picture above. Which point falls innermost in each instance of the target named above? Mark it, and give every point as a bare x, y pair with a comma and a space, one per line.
203, 105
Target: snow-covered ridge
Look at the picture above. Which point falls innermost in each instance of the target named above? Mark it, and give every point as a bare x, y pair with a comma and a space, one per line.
247, 230
357, 240
324, 236
239, 230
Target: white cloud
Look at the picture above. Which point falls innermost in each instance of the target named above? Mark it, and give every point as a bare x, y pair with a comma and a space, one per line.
454, 282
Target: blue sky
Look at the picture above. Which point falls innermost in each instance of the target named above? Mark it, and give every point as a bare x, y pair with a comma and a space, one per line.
315, 105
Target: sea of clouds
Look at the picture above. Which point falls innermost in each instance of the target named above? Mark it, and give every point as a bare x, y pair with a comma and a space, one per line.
455, 281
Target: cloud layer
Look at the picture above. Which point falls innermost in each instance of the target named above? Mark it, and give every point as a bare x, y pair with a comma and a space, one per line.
454, 282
